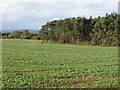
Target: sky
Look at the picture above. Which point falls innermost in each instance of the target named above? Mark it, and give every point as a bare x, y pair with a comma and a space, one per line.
32, 14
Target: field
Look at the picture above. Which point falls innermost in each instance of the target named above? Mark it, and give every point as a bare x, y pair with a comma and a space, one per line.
32, 64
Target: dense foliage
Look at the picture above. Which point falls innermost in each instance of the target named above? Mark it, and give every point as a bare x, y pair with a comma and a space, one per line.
24, 34
97, 31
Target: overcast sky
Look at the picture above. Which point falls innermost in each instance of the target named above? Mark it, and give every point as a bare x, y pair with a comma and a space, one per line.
32, 14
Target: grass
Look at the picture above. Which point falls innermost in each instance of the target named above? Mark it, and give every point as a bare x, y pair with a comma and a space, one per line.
32, 64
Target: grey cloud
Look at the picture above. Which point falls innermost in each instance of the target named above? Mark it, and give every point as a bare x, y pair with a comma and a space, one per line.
34, 14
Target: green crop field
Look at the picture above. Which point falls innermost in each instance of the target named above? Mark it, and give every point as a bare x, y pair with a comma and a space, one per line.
32, 64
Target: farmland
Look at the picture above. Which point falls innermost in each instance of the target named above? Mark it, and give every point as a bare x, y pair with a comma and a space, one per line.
32, 64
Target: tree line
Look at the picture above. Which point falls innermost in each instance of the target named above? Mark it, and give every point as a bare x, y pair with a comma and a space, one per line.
24, 34
96, 31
